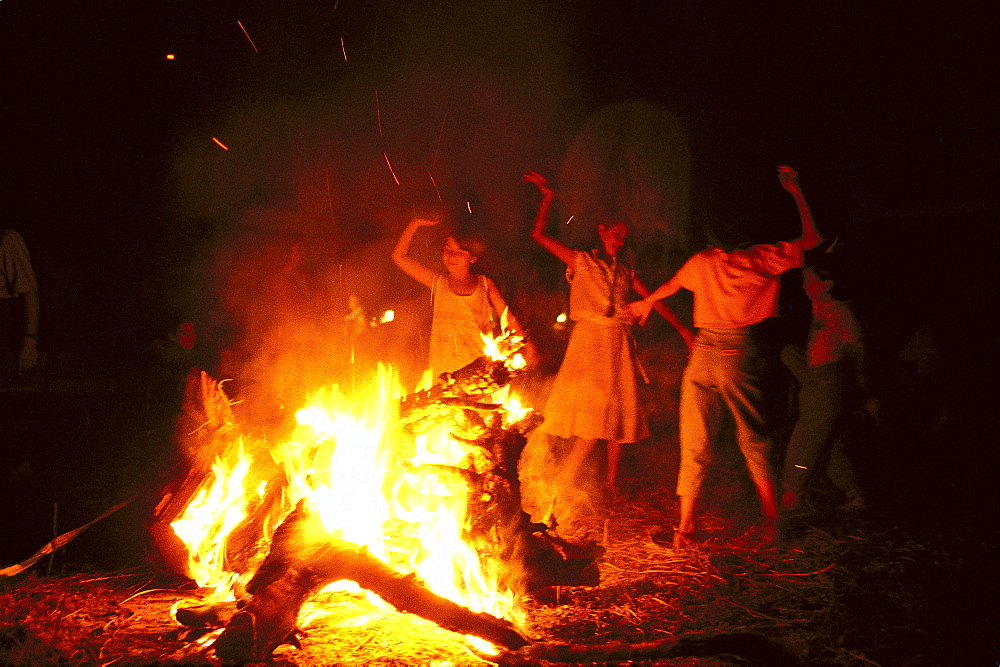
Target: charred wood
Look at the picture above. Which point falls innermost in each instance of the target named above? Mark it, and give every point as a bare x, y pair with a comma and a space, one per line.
303, 560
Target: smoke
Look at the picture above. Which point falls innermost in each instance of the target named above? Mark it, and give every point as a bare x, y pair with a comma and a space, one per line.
438, 109
440, 113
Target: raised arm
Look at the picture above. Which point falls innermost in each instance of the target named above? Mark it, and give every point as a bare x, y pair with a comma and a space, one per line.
663, 310
557, 248
810, 237
412, 267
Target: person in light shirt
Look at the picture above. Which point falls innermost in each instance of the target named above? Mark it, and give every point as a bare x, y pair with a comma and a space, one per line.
734, 290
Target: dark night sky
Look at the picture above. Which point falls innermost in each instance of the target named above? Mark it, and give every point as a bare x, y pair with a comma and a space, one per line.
887, 110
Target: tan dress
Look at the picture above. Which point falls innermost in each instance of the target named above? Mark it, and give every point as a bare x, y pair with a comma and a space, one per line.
595, 395
457, 323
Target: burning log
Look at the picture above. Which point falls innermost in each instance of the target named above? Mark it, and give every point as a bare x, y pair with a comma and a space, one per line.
304, 559
463, 388
532, 557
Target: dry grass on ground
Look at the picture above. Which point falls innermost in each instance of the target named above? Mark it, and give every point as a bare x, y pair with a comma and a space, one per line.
846, 594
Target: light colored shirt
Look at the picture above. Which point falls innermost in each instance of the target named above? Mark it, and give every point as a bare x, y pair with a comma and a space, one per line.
740, 288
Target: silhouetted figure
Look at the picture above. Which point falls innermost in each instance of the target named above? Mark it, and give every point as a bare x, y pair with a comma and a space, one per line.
829, 372
734, 289
19, 309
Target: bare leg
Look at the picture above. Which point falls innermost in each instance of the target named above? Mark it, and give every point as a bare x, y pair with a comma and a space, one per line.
614, 456
687, 514
768, 507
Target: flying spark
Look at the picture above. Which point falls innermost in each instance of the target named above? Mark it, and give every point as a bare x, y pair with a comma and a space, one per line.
435, 187
170, 56
342, 49
222, 145
240, 23
391, 171
468, 205
378, 113
570, 218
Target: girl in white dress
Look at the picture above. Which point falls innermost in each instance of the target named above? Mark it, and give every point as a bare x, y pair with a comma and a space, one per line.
465, 304
595, 395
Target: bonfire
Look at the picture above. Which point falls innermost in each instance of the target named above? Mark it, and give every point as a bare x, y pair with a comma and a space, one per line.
413, 499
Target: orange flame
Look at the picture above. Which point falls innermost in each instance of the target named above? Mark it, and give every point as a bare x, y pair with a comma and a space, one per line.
402, 497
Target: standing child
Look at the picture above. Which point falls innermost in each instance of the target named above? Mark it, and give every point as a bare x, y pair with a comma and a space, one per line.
734, 289
465, 304
595, 395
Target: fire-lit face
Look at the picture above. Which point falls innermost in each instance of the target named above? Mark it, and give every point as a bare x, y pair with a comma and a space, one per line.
613, 237
456, 260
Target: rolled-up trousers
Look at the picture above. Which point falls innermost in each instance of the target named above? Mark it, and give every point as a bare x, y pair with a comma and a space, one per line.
722, 374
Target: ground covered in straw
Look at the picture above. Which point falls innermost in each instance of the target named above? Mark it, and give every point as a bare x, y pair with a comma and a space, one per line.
844, 589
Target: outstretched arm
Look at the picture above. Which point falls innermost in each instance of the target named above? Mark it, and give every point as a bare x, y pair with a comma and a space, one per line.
663, 310
557, 248
810, 237
641, 309
412, 267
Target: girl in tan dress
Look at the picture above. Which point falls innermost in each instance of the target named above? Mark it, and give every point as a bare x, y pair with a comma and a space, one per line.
595, 395
465, 304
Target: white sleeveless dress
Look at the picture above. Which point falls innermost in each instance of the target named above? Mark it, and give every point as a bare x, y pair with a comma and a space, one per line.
457, 324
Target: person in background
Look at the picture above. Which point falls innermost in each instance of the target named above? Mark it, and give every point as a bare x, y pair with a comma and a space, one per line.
465, 304
19, 309
734, 290
831, 381
595, 395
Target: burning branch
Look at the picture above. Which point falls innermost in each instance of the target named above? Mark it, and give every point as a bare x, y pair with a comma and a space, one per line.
303, 559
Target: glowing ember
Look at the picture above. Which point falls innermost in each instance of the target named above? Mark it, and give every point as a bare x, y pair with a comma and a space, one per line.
221, 145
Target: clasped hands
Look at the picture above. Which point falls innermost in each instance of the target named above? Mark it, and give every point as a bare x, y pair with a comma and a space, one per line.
638, 311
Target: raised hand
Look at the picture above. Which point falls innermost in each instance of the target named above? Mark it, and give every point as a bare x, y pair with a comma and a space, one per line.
540, 181
789, 179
